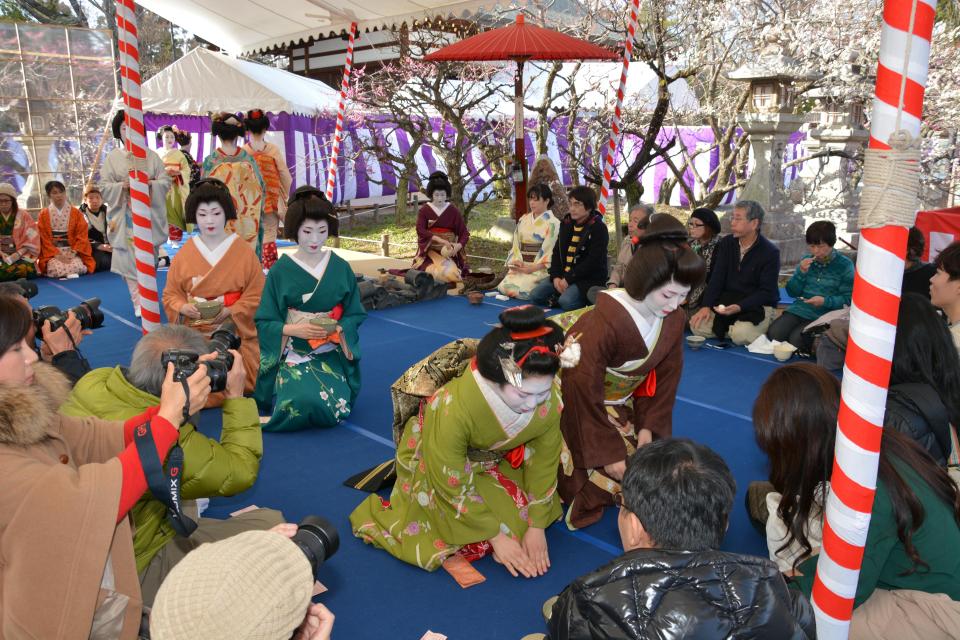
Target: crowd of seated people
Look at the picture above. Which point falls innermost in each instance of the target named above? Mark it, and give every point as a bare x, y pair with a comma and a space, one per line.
576, 410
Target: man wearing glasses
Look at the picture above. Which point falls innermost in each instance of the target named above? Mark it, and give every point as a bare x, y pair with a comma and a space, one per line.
742, 293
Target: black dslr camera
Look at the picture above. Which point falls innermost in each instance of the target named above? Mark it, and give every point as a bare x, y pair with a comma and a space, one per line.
318, 539
87, 312
185, 363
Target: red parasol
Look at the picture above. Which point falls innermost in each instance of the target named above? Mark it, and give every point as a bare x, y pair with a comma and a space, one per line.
521, 42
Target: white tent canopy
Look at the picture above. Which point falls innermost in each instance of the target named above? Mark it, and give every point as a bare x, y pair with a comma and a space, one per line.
204, 81
247, 26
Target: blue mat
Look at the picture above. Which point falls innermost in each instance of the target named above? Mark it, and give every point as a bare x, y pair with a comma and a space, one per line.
375, 596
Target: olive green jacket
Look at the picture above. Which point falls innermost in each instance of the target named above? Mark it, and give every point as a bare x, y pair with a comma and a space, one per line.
211, 468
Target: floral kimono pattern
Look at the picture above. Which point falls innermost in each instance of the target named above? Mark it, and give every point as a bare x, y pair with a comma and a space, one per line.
176, 165
19, 245
242, 176
532, 244
308, 385
464, 474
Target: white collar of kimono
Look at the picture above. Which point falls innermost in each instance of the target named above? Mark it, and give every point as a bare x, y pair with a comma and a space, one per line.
510, 421
213, 256
315, 271
441, 209
648, 330
63, 211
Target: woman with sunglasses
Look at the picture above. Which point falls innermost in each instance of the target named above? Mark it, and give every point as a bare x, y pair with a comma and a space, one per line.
704, 229
216, 277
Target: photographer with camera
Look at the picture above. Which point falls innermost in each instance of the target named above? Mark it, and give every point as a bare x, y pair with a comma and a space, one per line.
254, 585
68, 568
59, 332
211, 468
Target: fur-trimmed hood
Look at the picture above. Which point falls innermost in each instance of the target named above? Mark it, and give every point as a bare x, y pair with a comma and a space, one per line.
27, 412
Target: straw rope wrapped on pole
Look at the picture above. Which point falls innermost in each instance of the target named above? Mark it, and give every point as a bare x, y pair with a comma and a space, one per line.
888, 208
338, 132
615, 132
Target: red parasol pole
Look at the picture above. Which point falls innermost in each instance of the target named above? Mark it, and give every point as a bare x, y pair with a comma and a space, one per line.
520, 147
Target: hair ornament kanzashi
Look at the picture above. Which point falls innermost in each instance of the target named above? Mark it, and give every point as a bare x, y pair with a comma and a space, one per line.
569, 353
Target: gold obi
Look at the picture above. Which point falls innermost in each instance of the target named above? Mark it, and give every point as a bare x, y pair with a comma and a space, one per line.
619, 387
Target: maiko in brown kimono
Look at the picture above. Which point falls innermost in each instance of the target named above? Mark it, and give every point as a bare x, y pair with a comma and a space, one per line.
607, 404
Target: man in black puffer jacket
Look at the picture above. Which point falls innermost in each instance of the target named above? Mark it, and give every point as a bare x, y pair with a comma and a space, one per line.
672, 582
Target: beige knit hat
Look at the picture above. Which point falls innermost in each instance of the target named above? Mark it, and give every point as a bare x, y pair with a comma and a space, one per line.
6, 189
254, 586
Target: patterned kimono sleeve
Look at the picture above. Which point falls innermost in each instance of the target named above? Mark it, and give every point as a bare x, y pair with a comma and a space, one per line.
270, 318
552, 232
462, 516
26, 236
353, 314
514, 253
540, 473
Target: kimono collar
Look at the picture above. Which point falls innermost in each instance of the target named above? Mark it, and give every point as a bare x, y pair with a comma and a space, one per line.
318, 270
438, 211
510, 421
98, 218
646, 328
65, 211
213, 256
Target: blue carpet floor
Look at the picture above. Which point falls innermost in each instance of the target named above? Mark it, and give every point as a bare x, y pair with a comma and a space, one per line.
375, 596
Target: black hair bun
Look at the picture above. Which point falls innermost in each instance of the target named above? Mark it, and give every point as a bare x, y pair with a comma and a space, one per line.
664, 228
519, 319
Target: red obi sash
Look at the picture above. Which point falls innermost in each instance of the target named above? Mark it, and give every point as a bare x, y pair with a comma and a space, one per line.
647, 388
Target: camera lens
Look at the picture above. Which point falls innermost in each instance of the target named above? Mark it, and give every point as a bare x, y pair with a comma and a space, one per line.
89, 314
318, 539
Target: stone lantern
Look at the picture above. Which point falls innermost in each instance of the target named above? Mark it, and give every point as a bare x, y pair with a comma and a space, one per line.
831, 192
769, 120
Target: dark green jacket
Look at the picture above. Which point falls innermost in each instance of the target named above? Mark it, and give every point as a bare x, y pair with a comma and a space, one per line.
211, 468
885, 558
833, 280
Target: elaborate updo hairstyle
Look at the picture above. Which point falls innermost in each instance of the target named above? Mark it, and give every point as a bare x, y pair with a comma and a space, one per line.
662, 255
438, 181
183, 138
527, 338
256, 121
541, 191
116, 122
162, 130
15, 322
309, 203
209, 190
226, 126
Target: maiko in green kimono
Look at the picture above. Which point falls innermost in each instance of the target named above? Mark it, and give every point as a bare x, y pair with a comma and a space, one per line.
307, 325
477, 467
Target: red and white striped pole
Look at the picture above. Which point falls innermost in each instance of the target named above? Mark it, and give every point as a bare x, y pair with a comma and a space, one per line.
338, 132
128, 45
888, 206
618, 110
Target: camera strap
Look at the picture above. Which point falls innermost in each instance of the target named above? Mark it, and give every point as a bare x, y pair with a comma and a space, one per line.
163, 484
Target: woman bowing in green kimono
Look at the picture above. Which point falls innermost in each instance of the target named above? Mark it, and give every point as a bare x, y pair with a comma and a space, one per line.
477, 467
307, 325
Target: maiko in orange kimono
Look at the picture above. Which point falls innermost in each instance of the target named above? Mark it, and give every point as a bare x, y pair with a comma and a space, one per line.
76, 237
235, 278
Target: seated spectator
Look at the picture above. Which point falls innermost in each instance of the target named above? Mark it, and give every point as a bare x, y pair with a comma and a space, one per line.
442, 234
704, 228
64, 246
254, 585
945, 288
216, 268
637, 224
211, 468
579, 258
68, 484
60, 347
742, 293
672, 581
916, 272
19, 238
822, 282
95, 212
924, 398
910, 563
529, 259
